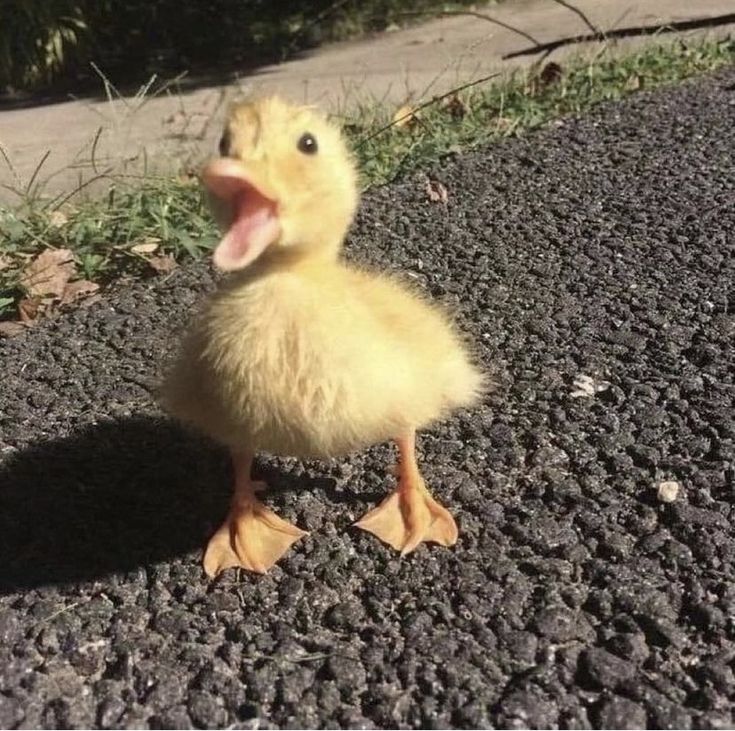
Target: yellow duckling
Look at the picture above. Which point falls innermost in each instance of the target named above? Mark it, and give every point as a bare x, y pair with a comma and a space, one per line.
301, 354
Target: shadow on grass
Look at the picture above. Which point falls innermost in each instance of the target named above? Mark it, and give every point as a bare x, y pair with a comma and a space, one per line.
111, 498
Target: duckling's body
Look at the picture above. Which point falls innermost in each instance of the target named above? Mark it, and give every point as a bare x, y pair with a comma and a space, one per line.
317, 359
301, 354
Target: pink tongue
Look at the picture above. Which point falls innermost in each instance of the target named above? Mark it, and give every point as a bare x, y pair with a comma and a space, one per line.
254, 227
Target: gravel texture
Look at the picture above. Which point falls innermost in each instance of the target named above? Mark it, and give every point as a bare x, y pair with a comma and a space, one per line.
594, 265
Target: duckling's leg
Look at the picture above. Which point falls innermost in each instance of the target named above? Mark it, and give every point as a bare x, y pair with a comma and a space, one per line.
253, 536
410, 515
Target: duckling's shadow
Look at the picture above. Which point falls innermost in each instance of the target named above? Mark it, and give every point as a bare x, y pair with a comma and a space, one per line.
108, 499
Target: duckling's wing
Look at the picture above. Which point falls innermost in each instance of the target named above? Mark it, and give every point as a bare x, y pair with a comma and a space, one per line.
411, 346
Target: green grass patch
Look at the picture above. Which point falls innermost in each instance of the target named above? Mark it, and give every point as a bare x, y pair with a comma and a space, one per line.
521, 102
104, 233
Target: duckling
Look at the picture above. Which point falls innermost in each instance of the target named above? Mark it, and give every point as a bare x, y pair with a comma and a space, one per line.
301, 354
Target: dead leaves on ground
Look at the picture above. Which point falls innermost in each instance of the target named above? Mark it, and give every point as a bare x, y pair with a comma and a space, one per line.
162, 263
11, 328
49, 273
407, 117
549, 75
149, 246
436, 191
456, 106
49, 281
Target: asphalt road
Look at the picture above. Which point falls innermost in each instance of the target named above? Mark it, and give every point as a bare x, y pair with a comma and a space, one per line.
602, 247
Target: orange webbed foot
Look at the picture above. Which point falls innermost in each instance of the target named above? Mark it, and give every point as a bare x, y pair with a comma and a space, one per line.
252, 537
410, 516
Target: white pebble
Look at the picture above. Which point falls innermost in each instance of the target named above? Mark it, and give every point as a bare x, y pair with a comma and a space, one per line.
587, 387
668, 491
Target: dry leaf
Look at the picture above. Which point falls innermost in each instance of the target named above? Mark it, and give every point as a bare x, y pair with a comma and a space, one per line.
147, 247
58, 219
29, 309
504, 124
436, 191
550, 74
456, 106
162, 264
78, 290
405, 117
634, 83
89, 301
48, 273
11, 328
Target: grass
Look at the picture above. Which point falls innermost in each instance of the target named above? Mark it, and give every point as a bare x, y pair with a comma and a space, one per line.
103, 233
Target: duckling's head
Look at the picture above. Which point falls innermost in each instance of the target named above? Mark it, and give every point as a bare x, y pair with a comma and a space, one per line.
285, 181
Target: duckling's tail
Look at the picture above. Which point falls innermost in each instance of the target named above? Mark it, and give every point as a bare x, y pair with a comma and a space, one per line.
465, 383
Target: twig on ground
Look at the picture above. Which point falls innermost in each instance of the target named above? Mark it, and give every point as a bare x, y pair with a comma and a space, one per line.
474, 14
630, 32
576, 10
55, 614
314, 656
433, 100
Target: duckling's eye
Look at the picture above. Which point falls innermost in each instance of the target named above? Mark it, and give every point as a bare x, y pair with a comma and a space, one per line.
307, 144
224, 144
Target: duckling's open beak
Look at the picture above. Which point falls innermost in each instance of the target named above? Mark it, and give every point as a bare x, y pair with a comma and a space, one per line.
254, 224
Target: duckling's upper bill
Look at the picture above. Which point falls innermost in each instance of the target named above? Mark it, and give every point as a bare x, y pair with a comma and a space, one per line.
285, 180
254, 215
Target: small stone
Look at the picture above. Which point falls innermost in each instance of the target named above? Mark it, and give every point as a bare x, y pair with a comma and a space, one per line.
632, 646
621, 713
522, 648
588, 387
346, 615
10, 628
604, 669
528, 709
205, 711
666, 714
346, 672
11, 712
718, 675
473, 715
560, 624
668, 491
110, 711
174, 717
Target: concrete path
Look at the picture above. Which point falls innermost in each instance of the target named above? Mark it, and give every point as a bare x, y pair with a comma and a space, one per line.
592, 264
168, 131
